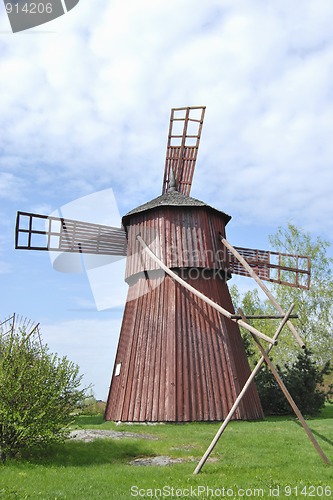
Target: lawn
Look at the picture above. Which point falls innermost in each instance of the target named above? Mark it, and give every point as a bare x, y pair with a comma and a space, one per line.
266, 459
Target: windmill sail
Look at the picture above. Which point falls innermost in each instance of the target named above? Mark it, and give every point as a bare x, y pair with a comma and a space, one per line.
282, 268
182, 149
42, 232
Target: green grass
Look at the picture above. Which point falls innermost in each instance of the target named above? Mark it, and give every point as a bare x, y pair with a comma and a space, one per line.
254, 456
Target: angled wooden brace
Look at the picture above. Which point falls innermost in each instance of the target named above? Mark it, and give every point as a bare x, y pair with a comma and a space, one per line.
241, 395
202, 296
288, 396
263, 287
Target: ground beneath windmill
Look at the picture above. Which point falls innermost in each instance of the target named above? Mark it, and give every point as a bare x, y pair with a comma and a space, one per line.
88, 435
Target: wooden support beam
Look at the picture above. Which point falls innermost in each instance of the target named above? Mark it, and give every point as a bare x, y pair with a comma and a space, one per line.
263, 287
202, 296
264, 316
240, 396
288, 397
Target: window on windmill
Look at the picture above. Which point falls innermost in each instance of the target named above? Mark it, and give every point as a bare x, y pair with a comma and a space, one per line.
274, 272
303, 263
117, 370
38, 224
193, 128
23, 240
191, 141
177, 127
24, 222
179, 114
175, 142
303, 280
55, 226
195, 114
38, 240
54, 242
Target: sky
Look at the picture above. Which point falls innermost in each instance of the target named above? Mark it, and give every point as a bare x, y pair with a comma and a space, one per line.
84, 107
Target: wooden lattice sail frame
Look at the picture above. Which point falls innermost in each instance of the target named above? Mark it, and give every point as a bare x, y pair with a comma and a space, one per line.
182, 148
276, 267
56, 234
42, 232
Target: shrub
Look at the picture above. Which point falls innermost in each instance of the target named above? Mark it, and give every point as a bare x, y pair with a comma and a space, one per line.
272, 399
38, 394
303, 379
92, 406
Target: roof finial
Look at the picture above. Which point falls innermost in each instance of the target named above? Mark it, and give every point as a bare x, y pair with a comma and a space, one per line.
172, 182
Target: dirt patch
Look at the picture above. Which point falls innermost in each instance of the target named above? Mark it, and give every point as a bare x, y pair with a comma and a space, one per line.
87, 435
161, 461
165, 460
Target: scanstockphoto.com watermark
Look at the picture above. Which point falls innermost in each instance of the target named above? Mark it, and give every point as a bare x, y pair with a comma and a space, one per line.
204, 491
25, 14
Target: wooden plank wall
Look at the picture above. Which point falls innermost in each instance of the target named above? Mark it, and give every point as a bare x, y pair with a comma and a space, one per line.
180, 360
180, 238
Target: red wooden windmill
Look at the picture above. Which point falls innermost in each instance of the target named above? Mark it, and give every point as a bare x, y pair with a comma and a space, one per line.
178, 359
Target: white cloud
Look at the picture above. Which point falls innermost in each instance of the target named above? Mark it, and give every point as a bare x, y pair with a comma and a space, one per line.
100, 84
89, 106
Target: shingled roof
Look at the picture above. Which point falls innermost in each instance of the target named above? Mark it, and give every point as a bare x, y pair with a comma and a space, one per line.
172, 199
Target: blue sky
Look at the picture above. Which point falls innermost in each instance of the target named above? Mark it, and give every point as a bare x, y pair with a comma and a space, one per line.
84, 106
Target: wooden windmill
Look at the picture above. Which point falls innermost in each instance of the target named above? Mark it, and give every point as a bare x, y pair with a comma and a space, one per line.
180, 358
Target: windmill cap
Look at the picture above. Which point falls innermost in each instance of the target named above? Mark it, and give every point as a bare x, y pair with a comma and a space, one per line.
172, 199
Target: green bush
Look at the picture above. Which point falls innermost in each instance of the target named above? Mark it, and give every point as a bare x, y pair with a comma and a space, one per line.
272, 399
91, 406
38, 394
303, 379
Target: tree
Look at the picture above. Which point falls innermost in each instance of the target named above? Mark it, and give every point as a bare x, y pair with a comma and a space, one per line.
38, 394
303, 379
272, 399
314, 307
302, 372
